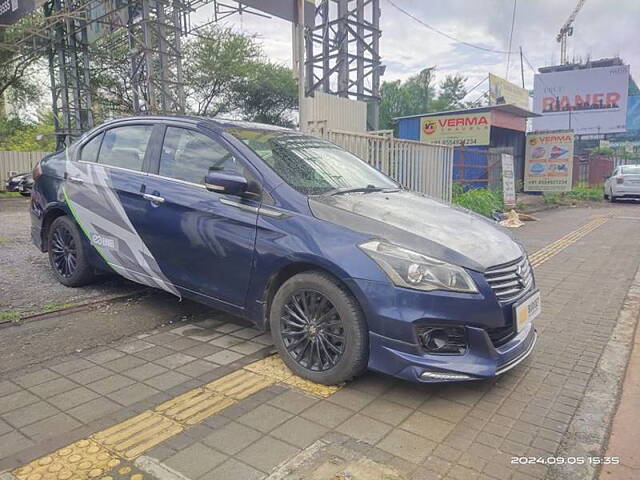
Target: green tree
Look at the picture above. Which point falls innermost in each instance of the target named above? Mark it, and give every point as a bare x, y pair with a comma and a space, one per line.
215, 61
268, 94
21, 136
451, 93
19, 83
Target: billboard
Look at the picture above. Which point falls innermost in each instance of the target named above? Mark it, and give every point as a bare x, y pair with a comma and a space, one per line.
456, 129
501, 91
283, 9
633, 112
588, 101
549, 162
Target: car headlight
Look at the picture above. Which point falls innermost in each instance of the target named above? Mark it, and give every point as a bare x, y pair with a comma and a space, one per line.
410, 269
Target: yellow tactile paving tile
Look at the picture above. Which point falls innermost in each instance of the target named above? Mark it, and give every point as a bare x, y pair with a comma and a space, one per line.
240, 384
539, 257
276, 369
138, 434
81, 460
194, 406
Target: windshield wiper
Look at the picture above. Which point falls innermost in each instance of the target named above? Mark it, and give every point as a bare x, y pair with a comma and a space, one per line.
367, 189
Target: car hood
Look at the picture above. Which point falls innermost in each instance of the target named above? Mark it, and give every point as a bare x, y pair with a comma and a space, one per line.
423, 224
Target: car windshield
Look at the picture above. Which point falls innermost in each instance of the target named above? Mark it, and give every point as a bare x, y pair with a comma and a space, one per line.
313, 166
631, 170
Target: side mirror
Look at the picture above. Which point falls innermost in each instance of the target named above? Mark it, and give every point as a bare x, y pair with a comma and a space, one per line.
226, 181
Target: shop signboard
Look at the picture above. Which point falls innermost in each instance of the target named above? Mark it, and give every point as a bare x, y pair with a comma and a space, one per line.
549, 162
508, 181
456, 129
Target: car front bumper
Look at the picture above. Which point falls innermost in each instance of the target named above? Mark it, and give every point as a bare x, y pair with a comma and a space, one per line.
395, 314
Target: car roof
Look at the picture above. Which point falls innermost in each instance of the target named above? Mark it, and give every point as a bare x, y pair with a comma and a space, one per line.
214, 122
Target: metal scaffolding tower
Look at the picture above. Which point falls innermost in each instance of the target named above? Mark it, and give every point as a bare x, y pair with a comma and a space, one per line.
69, 70
155, 29
343, 52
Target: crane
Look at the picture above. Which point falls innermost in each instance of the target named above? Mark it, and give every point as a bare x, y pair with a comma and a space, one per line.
566, 31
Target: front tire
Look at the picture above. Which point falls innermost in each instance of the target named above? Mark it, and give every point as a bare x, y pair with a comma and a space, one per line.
67, 254
319, 329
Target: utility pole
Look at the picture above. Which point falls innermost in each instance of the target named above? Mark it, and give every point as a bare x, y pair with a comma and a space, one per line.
298, 55
521, 67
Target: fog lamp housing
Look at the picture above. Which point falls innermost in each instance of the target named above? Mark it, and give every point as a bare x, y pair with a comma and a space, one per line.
443, 340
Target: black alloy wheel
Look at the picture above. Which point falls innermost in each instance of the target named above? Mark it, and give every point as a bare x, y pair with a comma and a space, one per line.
64, 251
312, 330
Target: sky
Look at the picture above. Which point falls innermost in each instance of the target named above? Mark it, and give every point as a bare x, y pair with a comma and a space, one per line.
603, 28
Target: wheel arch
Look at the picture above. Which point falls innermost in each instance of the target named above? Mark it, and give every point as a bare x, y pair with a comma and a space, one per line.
48, 219
277, 279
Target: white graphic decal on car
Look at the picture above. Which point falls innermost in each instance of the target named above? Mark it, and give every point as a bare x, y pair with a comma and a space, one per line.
98, 211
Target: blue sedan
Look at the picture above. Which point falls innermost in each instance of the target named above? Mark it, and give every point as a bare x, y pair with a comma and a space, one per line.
347, 269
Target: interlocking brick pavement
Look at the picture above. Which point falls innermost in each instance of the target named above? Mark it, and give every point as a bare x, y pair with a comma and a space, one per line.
467, 430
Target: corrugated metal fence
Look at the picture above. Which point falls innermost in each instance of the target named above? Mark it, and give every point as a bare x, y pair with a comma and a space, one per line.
418, 166
17, 162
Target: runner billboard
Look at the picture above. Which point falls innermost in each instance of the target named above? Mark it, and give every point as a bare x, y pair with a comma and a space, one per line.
587, 101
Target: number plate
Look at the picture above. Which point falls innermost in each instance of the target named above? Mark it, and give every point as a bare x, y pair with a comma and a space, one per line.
527, 310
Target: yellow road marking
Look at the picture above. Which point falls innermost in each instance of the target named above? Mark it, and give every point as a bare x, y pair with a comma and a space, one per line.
105, 450
539, 257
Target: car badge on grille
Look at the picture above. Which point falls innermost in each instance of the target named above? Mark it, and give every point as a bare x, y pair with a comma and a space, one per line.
519, 274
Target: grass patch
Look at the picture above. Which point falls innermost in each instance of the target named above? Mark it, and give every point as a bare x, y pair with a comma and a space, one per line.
9, 194
49, 307
580, 193
9, 316
479, 200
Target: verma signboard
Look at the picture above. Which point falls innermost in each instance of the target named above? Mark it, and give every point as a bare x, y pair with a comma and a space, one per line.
549, 162
587, 101
456, 129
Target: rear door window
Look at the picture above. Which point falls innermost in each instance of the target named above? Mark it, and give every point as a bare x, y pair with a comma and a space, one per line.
189, 155
125, 147
89, 152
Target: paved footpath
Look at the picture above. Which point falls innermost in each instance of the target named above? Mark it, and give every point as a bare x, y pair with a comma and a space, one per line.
206, 400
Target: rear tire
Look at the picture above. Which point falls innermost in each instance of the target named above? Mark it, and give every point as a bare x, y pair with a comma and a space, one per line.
319, 329
67, 254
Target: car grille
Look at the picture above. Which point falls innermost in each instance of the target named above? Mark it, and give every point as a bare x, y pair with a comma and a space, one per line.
500, 336
511, 280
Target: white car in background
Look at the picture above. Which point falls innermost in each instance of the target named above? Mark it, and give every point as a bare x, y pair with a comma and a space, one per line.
624, 182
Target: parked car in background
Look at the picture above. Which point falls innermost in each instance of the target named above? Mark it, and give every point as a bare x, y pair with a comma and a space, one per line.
345, 267
624, 182
22, 183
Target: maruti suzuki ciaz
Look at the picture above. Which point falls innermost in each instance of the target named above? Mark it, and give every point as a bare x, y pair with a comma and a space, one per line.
347, 269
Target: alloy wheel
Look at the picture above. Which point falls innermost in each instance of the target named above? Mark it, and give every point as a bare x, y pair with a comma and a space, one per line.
312, 330
64, 252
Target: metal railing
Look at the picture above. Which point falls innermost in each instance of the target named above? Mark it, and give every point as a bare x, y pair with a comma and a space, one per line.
418, 166
17, 162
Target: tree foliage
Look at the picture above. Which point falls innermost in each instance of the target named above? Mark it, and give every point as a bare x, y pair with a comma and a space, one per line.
20, 136
419, 94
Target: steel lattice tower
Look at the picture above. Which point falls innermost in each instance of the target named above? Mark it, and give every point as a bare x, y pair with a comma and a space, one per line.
343, 52
69, 70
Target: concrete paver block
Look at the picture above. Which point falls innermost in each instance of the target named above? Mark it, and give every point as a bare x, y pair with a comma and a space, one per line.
232, 437
195, 460
364, 428
264, 418
266, 453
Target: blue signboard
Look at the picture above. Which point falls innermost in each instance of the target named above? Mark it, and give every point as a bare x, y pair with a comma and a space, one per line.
633, 113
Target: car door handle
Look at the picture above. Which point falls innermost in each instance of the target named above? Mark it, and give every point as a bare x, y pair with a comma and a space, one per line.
152, 198
75, 180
